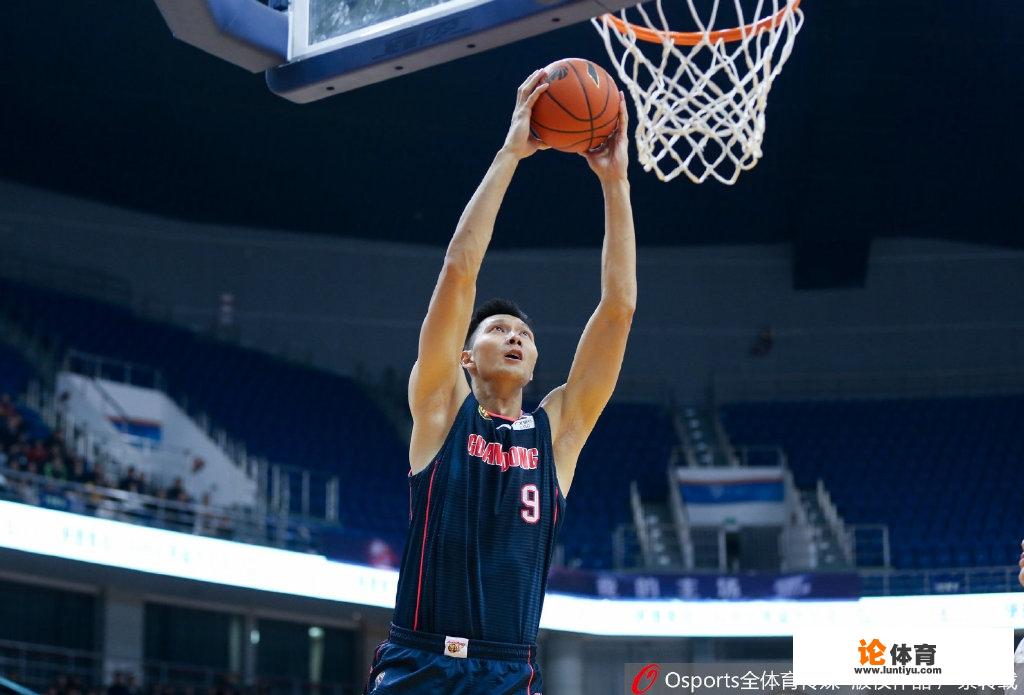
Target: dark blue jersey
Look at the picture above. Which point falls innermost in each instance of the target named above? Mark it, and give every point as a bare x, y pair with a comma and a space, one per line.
483, 520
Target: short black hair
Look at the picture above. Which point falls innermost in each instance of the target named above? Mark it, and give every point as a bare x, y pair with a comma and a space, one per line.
493, 307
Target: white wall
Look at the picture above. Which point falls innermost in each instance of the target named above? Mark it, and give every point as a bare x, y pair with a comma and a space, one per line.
928, 305
182, 441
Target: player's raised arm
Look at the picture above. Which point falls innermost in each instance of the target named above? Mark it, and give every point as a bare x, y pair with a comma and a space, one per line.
575, 406
436, 385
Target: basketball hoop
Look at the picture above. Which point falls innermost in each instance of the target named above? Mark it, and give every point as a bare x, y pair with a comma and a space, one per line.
700, 96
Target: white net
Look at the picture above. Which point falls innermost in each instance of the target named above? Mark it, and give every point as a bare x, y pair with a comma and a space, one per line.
701, 107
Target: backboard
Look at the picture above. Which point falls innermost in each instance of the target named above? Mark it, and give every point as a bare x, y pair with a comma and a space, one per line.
311, 49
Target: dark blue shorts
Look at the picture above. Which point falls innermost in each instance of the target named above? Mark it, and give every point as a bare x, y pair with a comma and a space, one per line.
419, 663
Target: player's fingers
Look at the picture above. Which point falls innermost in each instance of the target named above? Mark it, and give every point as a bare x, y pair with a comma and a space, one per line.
526, 82
623, 113
530, 84
535, 95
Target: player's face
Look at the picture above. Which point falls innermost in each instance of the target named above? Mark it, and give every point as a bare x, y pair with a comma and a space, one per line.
503, 347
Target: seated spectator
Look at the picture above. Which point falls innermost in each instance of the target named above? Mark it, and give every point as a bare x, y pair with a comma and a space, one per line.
38, 453
99, 476
133, 481
177, 493
55, 468
79, 473
16, 459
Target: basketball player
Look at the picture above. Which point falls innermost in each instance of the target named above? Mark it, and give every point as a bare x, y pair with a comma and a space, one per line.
487, 481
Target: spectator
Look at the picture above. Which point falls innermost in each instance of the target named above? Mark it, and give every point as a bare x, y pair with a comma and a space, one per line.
55, 468
177, 493
119, 686
99, 476
16, 459
80, 473
38, 453
127, 479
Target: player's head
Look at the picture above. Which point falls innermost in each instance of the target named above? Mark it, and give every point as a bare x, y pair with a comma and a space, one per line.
500, 343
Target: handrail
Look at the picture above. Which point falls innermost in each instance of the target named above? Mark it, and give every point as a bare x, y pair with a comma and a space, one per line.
681, 522
237, 523
640, 522
108, 399
835, 522
98, 361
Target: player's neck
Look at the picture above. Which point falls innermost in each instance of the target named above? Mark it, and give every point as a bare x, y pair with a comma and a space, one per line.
499, 399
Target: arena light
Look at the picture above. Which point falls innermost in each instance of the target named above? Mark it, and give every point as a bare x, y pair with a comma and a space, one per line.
116, 544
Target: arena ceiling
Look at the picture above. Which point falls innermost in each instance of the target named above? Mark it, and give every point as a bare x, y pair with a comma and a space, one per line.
891, 119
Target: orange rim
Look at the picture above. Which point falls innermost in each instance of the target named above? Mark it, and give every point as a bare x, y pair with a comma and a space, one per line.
692, 38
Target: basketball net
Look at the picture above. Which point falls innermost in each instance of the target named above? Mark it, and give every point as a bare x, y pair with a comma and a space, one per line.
700, 96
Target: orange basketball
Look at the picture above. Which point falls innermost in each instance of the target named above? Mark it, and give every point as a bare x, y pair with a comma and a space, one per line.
580, 108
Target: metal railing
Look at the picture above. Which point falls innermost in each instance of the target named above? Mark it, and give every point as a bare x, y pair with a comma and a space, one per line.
38, 666
283, 489
759, 456
835, 521
626, 551
230, 523
874, 582
121, 371
679, 517
962, 580
637, 508
869, 544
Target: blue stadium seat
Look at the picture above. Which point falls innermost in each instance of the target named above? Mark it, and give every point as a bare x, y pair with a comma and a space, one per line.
936, 470
308, 418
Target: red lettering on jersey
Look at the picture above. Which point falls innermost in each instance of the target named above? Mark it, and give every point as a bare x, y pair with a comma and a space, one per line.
477, 445
519, 457
492, 454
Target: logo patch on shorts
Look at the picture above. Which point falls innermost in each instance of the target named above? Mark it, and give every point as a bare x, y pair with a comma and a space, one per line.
456, 646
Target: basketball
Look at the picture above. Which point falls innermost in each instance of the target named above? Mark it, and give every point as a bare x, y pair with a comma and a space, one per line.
580, 108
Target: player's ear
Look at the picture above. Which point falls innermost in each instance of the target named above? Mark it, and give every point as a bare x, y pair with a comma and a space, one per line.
466, 359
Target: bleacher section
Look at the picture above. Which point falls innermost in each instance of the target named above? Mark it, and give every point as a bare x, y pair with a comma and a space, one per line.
630, 442
287, 413
312, 419
942, 473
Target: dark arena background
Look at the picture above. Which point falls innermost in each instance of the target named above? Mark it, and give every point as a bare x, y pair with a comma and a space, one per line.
210, 298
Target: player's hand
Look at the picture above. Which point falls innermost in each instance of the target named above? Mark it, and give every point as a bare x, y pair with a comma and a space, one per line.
519, 141
610, 161
1020, 563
